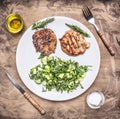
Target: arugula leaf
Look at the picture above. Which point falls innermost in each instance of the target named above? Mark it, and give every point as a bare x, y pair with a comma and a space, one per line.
41, 56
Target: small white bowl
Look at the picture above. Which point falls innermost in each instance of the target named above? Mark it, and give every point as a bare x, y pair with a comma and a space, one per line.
95, 99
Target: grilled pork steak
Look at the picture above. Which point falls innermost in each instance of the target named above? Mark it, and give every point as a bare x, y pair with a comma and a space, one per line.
73, 43
44, 41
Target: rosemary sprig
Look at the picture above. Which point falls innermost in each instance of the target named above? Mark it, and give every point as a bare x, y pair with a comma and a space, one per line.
78, 29
42, 24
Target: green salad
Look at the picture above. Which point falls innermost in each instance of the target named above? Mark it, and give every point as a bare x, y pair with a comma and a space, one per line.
59, 74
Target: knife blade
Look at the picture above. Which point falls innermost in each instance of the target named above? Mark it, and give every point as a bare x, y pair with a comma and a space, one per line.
26, 95
15, 83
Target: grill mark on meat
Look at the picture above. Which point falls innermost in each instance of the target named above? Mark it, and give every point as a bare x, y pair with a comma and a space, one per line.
73, 43
70, 44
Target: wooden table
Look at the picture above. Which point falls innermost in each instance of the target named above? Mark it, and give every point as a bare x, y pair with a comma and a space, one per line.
14, 106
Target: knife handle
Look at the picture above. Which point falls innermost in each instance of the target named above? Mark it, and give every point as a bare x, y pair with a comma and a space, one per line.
34, 103
106, 43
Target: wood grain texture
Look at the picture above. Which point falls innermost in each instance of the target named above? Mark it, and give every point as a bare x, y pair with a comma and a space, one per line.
106, 12
106, 43
34, 103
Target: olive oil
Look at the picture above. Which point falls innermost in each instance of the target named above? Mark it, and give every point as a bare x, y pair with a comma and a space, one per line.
14, 23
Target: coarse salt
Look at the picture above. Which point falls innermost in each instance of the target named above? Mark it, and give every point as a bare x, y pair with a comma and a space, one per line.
95, 99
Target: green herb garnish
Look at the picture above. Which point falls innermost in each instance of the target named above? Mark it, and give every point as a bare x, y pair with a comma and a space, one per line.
59, 74
41, 56
42, 24
78, 29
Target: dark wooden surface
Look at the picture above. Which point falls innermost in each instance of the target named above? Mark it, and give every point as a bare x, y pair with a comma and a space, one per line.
107, 13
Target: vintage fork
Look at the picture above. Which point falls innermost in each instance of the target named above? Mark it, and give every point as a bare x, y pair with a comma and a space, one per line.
89, 17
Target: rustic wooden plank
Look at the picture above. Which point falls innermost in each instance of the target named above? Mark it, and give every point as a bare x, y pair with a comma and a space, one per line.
14, 106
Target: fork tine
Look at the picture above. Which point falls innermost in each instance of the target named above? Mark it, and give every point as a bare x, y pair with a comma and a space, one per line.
87, 13
84, 12
90, 13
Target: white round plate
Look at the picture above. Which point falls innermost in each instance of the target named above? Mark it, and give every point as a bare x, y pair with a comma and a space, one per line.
27, 58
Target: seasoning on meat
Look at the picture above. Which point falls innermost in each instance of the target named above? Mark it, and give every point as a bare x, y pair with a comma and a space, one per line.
44, 41
74, 43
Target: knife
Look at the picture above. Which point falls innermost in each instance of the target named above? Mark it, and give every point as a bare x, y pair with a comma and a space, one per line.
26, 95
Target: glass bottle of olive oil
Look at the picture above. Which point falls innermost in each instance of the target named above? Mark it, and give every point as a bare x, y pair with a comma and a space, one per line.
14, 23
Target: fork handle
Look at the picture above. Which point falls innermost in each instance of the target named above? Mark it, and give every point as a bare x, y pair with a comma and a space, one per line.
106, 43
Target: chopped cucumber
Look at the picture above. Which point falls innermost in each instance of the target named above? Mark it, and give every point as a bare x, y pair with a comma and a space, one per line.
59, 74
